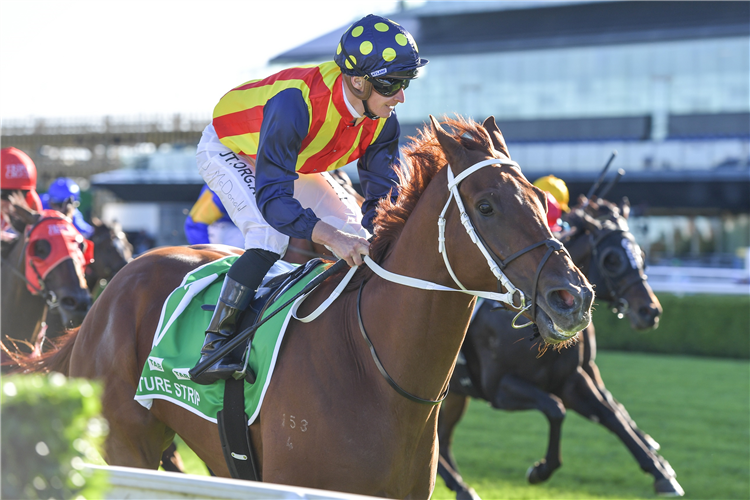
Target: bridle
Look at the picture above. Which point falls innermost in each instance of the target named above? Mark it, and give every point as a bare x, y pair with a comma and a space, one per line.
616, 288
495, 262
40, 287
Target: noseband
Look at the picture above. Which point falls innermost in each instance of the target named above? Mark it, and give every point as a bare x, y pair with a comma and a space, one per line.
495, 262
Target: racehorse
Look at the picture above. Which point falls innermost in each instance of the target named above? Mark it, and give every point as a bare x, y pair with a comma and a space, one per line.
366, 437
43, 270
511, 376
112, 251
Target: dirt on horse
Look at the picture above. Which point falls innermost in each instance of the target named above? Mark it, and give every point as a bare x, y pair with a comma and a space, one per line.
511, 374
361, 435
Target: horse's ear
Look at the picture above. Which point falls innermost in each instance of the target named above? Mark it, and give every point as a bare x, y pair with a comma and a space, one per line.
498, 141
625, 207
453, 150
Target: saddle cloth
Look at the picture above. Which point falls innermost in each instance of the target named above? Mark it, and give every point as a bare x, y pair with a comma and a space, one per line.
181, 330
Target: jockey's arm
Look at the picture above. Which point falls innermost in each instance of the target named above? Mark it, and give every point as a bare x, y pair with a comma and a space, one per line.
377, 176
285, 125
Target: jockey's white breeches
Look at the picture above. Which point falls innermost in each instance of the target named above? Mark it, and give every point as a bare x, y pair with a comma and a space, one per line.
232, 177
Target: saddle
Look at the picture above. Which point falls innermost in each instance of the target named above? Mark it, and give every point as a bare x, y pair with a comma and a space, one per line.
232, 419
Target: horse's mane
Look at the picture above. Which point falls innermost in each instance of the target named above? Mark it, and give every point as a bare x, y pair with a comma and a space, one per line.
424, 158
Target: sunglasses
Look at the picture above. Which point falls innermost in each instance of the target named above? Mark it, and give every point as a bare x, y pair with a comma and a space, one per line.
388, 87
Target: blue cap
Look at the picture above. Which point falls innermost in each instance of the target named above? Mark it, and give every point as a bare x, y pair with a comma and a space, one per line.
63, 189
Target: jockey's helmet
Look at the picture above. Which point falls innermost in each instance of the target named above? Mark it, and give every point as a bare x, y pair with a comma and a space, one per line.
62, 190
557, 188
18, 170
380, 51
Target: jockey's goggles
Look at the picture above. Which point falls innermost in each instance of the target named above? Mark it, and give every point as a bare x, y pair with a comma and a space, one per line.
388, 87
390, 84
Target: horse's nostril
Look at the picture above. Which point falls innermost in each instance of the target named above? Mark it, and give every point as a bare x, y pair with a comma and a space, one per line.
562, 300
648, 312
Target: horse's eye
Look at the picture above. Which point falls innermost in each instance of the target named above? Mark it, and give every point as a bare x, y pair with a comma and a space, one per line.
484, 208
41, 249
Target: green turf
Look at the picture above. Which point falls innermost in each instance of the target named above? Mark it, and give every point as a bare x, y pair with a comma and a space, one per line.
698, 409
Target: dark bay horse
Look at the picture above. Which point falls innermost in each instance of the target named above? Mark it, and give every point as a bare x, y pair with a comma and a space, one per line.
42, 270
360, 435
511, 375
112, 251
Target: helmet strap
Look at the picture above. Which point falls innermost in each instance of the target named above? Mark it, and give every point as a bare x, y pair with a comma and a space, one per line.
362, 95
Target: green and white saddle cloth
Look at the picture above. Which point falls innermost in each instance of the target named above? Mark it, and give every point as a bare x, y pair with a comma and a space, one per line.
179, 338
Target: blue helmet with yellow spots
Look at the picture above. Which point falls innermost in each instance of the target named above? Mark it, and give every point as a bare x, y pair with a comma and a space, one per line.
375, 46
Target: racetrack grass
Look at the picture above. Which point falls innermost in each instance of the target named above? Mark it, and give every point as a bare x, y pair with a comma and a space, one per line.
698, 409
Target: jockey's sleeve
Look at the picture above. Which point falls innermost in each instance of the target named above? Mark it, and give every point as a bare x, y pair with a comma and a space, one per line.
207, 210
83, 227
285, 125
377, 174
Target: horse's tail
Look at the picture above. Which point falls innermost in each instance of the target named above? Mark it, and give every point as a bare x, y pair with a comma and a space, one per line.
56, 359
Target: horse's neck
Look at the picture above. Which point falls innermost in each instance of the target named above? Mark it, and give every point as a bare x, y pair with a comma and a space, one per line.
420, 331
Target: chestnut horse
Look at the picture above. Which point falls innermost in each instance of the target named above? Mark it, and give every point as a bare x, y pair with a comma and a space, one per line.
512, 376
46, 272
359, 434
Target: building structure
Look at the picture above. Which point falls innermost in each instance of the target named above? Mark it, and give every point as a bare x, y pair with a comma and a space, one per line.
666, 84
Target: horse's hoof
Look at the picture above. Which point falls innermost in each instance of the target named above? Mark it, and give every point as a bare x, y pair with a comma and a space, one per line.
668, 487
538, 473
468, 494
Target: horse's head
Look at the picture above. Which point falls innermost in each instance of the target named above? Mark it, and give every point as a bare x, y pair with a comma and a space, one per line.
54, 259
506, 215
613, 260
111, 250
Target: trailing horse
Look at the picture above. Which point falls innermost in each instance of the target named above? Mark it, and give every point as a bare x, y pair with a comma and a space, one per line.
512, 376
360, 435
42, 270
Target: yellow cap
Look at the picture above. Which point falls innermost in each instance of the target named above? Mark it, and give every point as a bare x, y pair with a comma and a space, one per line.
557, 188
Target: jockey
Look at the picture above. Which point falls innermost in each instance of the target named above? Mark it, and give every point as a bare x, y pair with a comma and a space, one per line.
18, 173
64, 195
270, 143
557, 199
209, 222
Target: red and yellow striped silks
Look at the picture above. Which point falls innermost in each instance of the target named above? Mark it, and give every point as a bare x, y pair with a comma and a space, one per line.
332, 140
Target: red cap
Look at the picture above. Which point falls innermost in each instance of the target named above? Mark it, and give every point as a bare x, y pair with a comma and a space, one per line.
18, 171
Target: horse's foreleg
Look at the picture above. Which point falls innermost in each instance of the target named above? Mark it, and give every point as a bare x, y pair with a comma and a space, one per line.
171, 460
581, 394
595, 375
451, 411
515, 394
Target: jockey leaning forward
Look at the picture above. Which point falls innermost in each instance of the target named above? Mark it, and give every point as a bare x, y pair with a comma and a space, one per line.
271, 141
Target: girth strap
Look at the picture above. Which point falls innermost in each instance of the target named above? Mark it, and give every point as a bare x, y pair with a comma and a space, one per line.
235, 434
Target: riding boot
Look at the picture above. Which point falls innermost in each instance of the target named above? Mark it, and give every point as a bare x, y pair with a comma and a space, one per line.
237, 291
234, 299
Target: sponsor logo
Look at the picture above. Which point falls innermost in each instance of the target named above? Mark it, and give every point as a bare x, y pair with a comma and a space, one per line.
379, 72
155, 364
181, 373
16, 171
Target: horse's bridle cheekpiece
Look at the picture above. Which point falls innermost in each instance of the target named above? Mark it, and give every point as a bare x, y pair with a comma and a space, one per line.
495, 263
